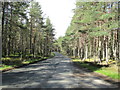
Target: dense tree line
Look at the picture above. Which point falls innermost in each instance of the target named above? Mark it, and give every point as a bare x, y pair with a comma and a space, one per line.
24, 31
93, 32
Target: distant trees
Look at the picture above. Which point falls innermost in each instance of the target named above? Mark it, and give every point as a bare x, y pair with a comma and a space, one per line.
49, 37
23, 30
93, 32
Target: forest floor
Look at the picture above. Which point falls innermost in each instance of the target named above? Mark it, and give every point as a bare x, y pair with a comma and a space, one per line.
56, 72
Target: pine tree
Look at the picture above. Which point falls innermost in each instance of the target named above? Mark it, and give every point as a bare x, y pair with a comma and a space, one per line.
93, 32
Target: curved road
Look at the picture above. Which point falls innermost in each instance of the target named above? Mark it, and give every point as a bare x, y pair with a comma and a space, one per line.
56, 72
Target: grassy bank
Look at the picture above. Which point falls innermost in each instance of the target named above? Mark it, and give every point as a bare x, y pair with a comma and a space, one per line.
110, 71
13, 62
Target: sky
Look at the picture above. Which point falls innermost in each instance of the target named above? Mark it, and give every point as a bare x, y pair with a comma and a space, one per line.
60, 13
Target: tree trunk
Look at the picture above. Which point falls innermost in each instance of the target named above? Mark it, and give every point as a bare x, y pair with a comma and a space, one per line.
90, 50
9, 41
106, 50
73, 52
2, 31
31, 27
3, 16
94, 49
118, 44
86, 51
99, 50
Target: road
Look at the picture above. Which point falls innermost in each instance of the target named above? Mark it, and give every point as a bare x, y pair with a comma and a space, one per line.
56, 72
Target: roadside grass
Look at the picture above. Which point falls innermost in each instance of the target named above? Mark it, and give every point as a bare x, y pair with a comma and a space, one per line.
13, 62
2, 67
11, 65
110, 71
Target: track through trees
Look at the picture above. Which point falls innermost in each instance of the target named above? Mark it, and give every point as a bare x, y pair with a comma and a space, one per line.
57, 72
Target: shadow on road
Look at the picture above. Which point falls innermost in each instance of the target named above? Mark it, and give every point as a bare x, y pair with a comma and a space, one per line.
57, 72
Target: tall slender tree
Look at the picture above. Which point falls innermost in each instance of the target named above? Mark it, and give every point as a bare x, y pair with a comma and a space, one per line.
93, 32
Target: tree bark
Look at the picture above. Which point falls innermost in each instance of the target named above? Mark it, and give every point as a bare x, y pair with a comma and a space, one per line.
86, 51
31, 27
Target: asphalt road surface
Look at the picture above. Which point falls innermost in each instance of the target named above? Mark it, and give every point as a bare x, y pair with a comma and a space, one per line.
56, 72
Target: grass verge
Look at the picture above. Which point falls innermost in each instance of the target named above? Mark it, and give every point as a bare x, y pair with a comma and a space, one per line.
4, 67
10, 63
111, 71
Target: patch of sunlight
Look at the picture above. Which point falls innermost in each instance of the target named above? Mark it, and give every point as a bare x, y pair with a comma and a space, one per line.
76, 60
5, 67
7, 58
72, 57
98, 81
111, 61
113, 68
109, 73
26, 62
89, 60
